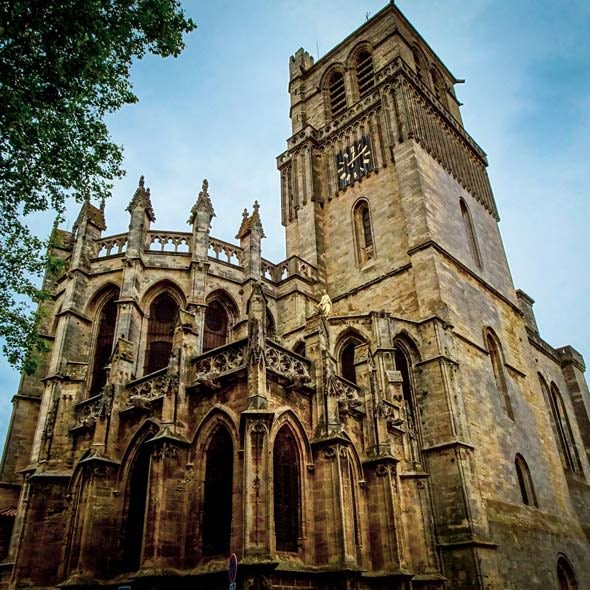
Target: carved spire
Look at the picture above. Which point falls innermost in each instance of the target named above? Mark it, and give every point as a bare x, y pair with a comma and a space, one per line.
255, 222
244, 226
203, 203
142, 199
251, 223
91, 213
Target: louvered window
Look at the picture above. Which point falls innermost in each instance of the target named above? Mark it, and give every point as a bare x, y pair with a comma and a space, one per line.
365, 75
337, 94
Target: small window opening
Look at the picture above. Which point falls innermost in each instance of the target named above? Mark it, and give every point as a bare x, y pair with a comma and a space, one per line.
565, 575
525, 482
364, 232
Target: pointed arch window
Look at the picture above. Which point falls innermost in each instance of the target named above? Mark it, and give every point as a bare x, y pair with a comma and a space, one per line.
217, 501
336, 94
216, 328
299, 348
566, 577
561, 423
440, 89
161, 325
364, 232
525, 482
287, 490
496, 359
403, 366
365, 75
348, 354
420, 64
137, 491
104, 345
470, 234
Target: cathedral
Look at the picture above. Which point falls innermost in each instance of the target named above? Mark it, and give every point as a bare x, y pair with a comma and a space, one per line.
378, 411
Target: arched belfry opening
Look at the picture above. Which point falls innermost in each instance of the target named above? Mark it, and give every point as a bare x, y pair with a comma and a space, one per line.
162, 322
217, 501
365, 74
287, 490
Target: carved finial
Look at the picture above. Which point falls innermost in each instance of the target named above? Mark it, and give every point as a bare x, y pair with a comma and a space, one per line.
255, 222
203, 204
244, 226
141, 198
102, 204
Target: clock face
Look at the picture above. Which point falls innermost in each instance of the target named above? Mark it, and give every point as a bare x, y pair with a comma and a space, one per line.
354, 162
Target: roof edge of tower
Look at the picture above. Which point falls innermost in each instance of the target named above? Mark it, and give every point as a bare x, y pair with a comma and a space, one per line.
390, 7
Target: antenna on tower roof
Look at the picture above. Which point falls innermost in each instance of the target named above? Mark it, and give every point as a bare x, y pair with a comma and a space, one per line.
367, 15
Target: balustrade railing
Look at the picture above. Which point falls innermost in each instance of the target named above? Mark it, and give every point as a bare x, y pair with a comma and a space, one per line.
287, 364
111, 245
346, 393
293, 266
233, 254
220, 361
168, 241
141, 392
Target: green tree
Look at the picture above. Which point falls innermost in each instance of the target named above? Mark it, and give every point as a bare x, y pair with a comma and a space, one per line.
64, 64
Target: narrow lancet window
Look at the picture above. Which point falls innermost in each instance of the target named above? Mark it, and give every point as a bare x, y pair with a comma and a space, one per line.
470, 234
364, 232
287, 503
104, 345
565, 575
564, 431
347, 361
137, 491
499, 376
217, 502
525, 482
163, 319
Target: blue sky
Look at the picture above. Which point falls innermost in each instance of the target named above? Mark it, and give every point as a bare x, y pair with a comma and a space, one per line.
220, 111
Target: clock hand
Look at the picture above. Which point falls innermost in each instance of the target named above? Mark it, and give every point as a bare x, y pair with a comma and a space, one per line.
358, 155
